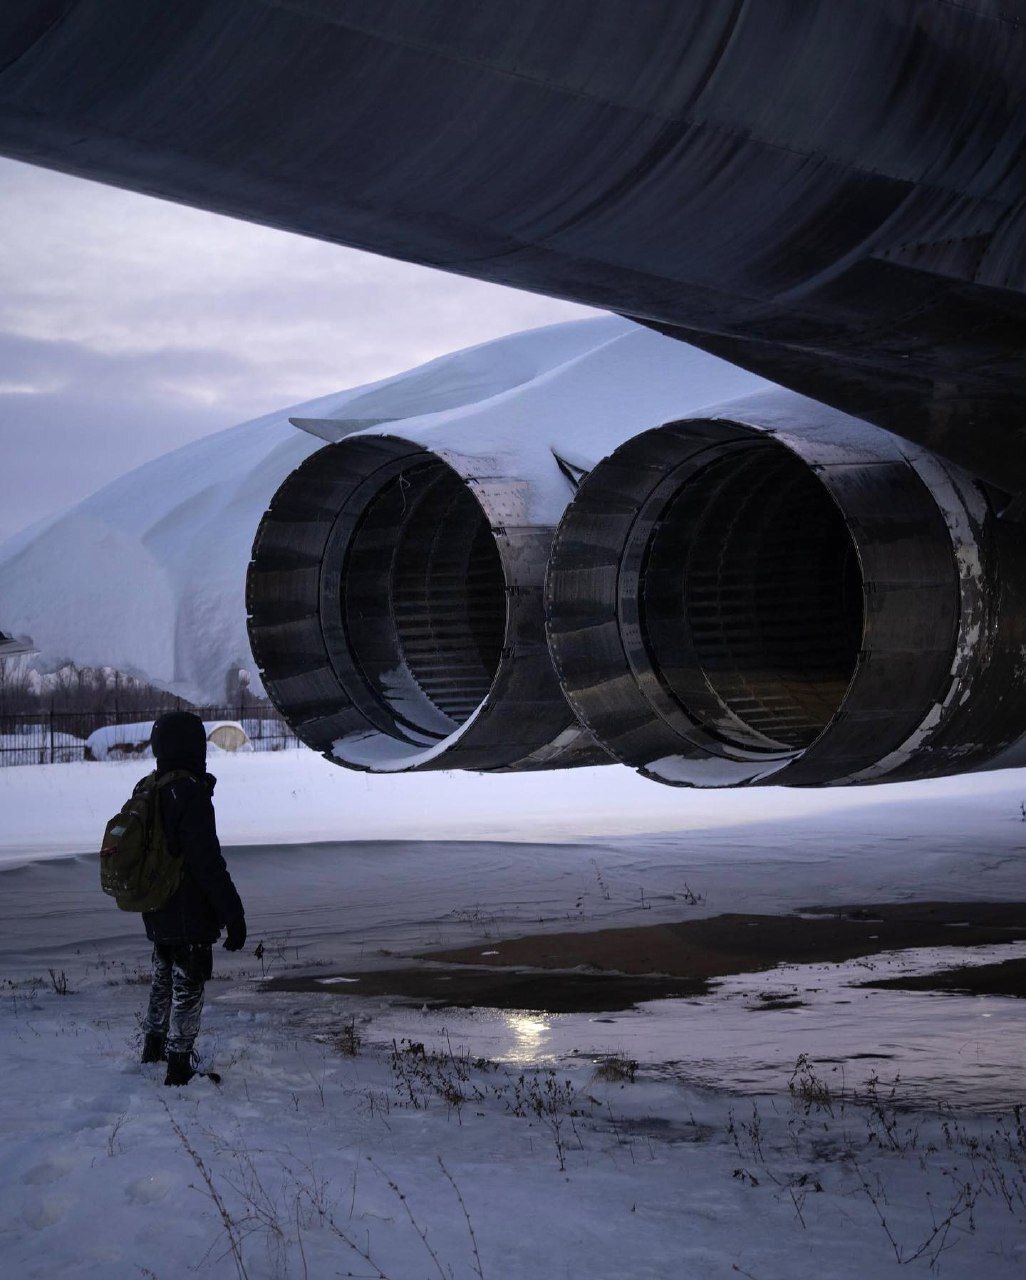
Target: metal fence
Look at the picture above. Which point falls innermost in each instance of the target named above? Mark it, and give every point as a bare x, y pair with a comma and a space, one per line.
62, 737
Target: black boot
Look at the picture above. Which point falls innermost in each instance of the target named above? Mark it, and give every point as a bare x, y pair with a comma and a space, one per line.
179, 1068
154, 1049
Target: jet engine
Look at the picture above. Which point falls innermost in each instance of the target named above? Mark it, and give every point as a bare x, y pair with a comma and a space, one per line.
776, 594
766, 592
395, 611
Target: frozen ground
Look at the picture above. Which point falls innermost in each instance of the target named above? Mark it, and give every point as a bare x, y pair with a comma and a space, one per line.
704, 1165
298, 797
310, 1162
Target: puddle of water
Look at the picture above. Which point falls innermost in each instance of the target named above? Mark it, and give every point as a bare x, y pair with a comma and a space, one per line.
613, 969
515, 989
946, 1048
739, 998
740, 943
1008, 978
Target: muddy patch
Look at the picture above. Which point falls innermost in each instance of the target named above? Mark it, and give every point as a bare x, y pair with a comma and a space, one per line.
466, 988
1005, 979
728, 944
767, 1001
610, 970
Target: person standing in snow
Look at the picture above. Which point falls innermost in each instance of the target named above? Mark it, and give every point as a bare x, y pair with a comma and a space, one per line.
185, 928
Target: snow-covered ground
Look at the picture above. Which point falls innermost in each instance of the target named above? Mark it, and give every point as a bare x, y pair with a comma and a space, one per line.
31, 747
308, 1162
706, 1164
298, 797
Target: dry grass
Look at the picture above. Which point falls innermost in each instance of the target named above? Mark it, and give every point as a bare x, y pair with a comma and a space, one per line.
618, 1069
347, 1042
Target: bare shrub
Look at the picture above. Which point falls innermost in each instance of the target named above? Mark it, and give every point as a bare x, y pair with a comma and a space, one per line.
347, 1042
959, 1167
618, 1069
478, 1269
937, 1241
231, 1228
114, 1145
59, 982
808, 1089
551, 1101
884, 1114
420, 1074
281, 1212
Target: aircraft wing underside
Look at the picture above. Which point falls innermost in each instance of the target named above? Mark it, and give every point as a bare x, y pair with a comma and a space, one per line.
829, 192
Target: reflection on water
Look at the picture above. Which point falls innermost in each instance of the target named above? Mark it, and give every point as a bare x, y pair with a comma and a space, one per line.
747, 1035
529, 1032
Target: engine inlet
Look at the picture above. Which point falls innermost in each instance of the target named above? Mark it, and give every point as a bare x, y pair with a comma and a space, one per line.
751, 600
783, 596
395, 613
424, 599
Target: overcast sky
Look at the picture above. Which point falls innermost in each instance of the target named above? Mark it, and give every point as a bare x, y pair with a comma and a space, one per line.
129, 326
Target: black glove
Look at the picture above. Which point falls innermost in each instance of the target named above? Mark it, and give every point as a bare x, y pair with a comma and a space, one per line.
236, 938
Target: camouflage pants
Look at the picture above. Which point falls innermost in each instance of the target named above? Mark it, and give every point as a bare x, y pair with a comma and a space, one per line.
180, 971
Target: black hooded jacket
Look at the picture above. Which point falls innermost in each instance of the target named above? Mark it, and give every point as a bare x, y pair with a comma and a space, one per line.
206, 900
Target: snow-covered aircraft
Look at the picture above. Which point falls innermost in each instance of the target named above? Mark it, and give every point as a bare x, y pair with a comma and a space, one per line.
828, 193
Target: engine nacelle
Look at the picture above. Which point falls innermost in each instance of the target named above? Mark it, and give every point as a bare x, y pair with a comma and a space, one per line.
395, 612
766, 592
777, 594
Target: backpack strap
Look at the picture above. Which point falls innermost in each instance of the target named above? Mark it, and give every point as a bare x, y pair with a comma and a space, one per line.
155, 780
162, 780
171, 776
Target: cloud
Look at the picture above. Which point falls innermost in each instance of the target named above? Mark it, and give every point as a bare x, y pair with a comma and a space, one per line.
71, 418
129, 326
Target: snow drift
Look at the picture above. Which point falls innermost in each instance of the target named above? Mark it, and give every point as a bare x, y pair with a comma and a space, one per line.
148, 574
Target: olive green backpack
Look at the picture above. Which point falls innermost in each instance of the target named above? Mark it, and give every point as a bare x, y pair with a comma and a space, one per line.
136, 867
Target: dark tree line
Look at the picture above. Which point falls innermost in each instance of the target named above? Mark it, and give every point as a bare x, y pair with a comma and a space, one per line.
74, 689
85, 698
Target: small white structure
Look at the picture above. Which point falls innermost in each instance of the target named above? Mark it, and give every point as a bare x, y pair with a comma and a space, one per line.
119, 741
227, 735
122, 741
